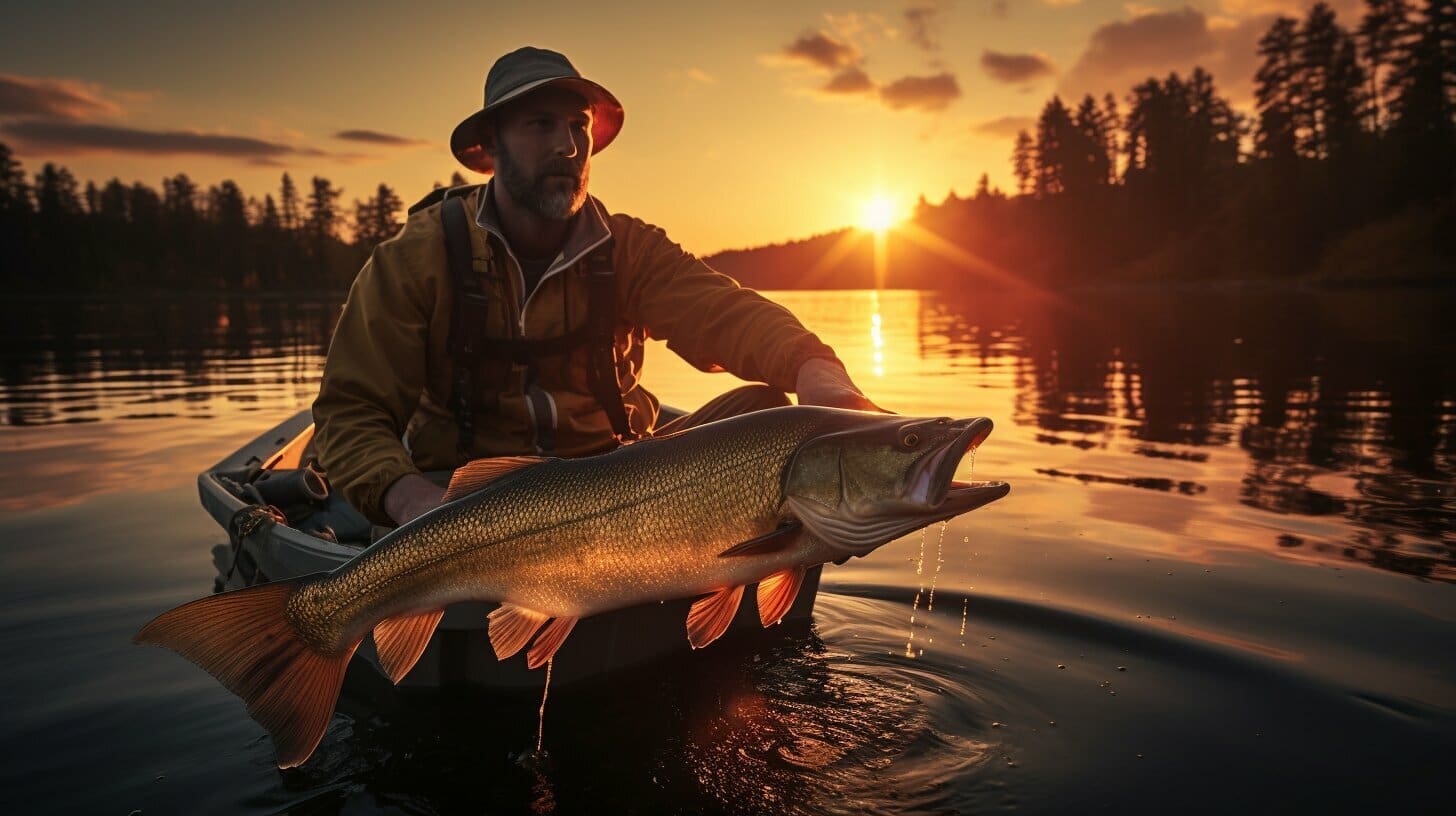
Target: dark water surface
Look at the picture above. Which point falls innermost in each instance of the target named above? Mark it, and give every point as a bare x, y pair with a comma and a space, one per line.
1222, 581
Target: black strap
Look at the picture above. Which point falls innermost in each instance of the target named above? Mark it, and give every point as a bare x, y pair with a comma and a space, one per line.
467, 320
601, 366
468, 343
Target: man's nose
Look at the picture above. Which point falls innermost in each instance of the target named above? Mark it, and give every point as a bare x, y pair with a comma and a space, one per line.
567, 141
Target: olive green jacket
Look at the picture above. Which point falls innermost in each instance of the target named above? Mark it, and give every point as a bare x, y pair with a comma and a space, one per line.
388, 375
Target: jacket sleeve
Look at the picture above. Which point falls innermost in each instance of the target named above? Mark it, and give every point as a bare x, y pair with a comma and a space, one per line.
376, 370
704, 315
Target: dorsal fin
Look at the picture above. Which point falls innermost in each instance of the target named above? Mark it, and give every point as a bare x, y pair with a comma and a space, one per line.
711, 614
776, 594
476, 474
773, 541
401, 640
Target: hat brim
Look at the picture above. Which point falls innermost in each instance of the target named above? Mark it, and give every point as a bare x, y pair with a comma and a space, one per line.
607, 116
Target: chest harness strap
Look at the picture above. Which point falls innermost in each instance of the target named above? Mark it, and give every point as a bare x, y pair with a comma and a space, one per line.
468, 343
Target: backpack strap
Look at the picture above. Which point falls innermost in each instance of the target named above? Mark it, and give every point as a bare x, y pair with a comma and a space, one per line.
468, 343
601, 365
467, 319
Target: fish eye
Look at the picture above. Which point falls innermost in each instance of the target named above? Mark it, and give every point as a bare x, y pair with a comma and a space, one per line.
910, 440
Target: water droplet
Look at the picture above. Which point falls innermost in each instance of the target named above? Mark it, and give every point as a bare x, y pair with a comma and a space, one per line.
1061, 665
1122, 668
1052, 723
995, 725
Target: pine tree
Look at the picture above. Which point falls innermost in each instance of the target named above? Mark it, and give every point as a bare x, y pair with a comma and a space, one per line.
1023, 162
1112, 122
1057, 153
983, 187
1276, 91
14, 191
1379, 35
56, 194
1422, 82
288, 201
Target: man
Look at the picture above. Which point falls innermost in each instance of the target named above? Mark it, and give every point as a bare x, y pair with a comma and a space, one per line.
496, 355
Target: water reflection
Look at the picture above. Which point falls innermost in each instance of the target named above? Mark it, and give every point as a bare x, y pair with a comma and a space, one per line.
1336, 409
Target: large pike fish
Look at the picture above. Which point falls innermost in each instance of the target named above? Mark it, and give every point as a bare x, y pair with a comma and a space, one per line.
757, 498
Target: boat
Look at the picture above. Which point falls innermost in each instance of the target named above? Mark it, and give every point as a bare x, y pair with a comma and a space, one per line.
283, 520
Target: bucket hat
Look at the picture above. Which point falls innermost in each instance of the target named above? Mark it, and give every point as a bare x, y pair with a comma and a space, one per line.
519, 73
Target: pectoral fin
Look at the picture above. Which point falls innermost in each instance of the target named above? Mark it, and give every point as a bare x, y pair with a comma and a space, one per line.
402, 639
476, 474
511, 627
776, 594
711, 614
548, 642
769, 542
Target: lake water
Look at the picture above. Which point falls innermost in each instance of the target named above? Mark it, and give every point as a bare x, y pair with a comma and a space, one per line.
1222, 581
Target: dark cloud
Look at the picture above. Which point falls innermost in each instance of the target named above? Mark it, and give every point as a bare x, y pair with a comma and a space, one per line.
51, 99
927, 93
851, 80
74, 137
822, 50
921, 23
1121, 54
1015, 68
1005, 127
375, 137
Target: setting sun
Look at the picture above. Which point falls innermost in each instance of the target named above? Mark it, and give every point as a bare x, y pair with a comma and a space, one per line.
878, 214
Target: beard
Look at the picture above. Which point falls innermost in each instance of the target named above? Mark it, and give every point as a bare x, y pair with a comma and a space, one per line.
533, 192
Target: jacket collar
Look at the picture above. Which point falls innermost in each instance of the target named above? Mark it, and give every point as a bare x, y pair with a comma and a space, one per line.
587, 231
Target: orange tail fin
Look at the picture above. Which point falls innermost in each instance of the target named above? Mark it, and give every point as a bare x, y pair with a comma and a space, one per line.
243, 639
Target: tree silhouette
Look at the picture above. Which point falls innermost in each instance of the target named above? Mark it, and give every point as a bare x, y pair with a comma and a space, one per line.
1023, 162
1422, 84
1385, 22
1277, 91
288, 216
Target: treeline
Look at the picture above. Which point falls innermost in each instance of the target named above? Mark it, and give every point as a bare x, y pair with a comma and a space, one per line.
56, 235
1346, 171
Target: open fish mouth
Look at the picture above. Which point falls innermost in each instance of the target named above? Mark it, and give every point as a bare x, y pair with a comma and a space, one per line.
928, 492
933, 486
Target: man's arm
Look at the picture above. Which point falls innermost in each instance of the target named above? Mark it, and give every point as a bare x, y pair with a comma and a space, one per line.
375, 374
717, 325
825, 382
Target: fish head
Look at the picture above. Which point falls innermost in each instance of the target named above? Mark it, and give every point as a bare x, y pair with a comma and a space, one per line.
872, 478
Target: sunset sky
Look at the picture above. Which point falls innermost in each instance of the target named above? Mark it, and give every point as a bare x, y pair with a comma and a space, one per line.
746, 123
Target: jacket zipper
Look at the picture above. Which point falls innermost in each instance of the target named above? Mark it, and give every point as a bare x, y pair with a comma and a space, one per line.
534, 393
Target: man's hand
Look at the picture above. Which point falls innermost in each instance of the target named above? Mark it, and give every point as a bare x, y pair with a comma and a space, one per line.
822, 382
411, 496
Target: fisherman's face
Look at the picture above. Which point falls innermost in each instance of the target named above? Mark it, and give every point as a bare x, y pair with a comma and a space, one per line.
542, 150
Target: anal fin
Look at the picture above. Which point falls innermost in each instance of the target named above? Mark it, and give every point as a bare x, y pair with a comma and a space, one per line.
776, 594
476, 474
511, 627
401, 640
548, 642
711, 614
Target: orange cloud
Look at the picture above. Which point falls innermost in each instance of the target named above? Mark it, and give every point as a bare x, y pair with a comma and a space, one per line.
377, 138
66, 99
851, 80
1123, 53
77, 137
927, 93
1016, 68
821, 50
921, 18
